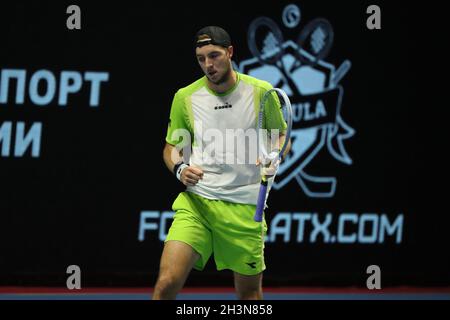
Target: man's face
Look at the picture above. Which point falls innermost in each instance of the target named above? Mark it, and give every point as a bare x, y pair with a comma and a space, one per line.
215, 62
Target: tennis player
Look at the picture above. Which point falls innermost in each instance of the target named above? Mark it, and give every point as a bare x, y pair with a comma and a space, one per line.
215, 213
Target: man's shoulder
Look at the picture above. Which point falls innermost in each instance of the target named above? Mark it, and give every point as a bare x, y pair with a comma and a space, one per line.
255, 81
191, 88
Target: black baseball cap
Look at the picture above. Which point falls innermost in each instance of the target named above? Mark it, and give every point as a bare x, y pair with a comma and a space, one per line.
216, 35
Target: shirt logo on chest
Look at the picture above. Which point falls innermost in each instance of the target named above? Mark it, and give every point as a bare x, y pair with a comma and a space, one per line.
225, 106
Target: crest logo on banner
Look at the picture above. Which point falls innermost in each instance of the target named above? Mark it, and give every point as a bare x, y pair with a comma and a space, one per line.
298, 66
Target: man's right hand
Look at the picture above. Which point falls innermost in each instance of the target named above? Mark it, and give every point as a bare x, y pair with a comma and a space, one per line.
191, 175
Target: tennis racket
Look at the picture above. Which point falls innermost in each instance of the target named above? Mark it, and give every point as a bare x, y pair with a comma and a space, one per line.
277, 98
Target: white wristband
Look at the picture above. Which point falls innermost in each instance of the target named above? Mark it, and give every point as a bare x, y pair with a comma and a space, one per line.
180, 170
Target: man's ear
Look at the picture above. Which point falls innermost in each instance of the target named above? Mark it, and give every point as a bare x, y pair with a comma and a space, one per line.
230, 51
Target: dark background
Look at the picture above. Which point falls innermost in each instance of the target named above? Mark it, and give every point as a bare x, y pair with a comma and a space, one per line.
80, 201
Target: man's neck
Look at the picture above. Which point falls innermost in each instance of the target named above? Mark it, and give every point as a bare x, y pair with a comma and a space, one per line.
225, 86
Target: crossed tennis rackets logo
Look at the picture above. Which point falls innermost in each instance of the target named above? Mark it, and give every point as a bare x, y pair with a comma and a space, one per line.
312, 84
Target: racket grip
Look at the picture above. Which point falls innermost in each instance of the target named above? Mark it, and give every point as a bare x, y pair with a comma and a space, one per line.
261, 202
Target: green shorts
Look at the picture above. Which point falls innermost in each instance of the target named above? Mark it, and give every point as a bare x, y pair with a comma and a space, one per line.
224, 228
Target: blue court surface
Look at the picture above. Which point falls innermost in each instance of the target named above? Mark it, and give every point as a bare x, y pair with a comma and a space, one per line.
287, 293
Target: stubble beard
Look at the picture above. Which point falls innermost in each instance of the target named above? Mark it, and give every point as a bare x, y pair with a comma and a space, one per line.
226, 76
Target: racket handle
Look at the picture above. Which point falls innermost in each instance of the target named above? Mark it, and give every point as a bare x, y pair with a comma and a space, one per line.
261, 202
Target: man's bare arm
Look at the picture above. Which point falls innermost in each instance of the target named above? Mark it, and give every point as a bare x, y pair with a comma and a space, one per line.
190, 175
281, 140
171, 156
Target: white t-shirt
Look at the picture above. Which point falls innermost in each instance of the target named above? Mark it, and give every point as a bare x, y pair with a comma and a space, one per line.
220, 128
